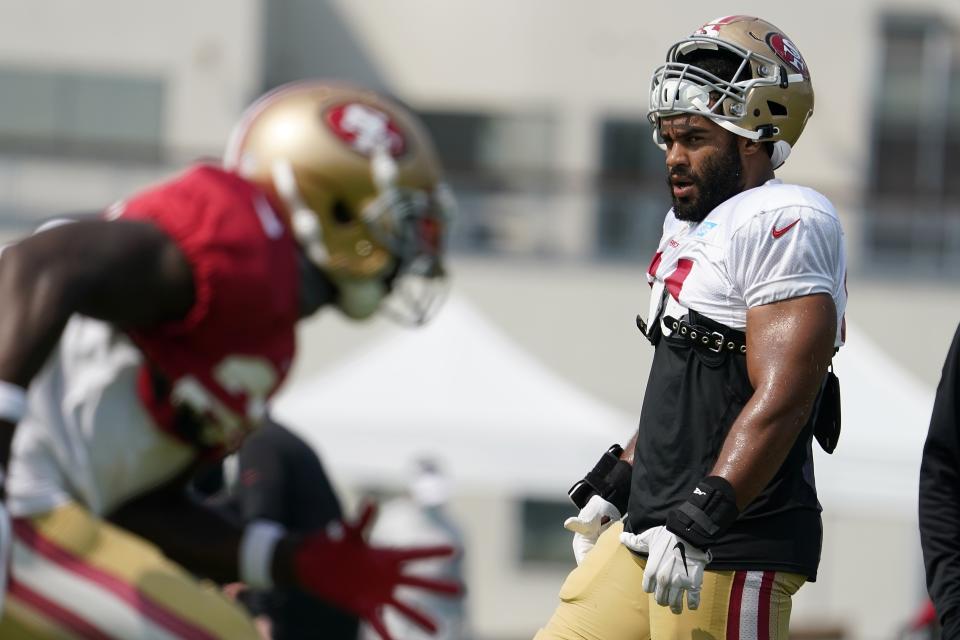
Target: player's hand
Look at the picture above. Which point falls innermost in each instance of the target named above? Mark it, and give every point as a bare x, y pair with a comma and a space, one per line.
339, 567
593, 519
674, 566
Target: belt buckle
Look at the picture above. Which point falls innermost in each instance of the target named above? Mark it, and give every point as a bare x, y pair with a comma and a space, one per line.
720, 345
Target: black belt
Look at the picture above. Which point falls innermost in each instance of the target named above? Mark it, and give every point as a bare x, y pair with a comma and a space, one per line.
707, 334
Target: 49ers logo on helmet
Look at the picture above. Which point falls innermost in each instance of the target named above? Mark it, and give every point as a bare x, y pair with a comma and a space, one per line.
788, 52
364, 128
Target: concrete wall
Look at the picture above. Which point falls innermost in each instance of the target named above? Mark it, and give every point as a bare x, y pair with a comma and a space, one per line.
582, 61
208, 53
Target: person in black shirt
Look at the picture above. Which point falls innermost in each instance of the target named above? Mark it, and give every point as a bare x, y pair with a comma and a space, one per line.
940, 497
281, 479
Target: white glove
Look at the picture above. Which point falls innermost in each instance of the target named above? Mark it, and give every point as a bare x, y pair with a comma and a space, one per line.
593, 519
674, 566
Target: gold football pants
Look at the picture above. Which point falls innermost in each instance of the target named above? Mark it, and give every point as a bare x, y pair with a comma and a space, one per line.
602, 600
74, 575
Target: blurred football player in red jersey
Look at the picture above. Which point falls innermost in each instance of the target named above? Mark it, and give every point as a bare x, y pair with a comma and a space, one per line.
136, 346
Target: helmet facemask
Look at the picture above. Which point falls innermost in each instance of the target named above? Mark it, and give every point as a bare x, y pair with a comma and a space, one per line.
412, 223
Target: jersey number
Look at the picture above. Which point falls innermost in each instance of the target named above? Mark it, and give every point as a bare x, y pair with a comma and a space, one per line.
249, 376
674, 281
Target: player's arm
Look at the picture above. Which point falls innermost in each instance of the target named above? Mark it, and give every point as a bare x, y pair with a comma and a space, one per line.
601, 496
789, 348
129, 273
787, 281
198, 537
335, 565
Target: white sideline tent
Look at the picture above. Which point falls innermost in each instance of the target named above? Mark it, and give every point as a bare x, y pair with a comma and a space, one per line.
507, 430
505, 425
886, 412
460, 391
871, 573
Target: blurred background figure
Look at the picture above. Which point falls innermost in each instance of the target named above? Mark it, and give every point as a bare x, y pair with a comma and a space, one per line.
940, 497
277, 477
419, 516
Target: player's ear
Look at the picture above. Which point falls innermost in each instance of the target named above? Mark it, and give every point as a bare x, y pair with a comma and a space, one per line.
750, 147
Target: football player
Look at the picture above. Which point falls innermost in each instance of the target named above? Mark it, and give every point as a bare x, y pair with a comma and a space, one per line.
137, 346
721, 523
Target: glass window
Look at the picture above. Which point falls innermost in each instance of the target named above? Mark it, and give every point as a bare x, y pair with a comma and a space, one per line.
913, 195
632, 198
501, 168
913, 109
81, 114
543, 539
492, 144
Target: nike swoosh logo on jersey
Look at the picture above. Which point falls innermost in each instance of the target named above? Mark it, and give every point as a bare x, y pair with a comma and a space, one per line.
779, 232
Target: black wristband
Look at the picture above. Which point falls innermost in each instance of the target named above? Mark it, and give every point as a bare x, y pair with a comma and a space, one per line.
617, 492
707, 513
596, 482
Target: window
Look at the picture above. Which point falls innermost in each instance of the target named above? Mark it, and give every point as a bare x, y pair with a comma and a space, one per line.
913, 185
632, 198
500, 166
912, 110
81, 114
510, 148
543, 539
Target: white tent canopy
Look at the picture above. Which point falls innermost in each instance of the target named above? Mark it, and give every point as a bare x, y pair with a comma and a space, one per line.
886, 412
461, 392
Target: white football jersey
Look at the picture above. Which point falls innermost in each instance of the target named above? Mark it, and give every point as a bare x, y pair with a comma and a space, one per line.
771, 243
86, 436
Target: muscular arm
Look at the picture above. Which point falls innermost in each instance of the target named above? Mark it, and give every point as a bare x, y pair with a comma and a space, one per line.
789, 347
197, 537
129, 273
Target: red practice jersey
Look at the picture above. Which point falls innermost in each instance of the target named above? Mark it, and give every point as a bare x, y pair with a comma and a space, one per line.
236, 345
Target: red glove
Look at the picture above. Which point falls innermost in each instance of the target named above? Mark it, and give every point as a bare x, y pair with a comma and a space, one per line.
347, 572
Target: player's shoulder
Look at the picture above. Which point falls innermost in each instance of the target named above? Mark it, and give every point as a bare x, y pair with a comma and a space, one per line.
200, 183
206, 200
776, 197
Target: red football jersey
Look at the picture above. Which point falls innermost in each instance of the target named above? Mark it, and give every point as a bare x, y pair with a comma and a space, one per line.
236, 345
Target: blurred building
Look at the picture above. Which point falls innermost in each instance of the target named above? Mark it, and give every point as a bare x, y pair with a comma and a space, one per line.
538, 109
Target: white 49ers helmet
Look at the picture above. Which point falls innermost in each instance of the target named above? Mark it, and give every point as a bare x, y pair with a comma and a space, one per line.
361, 187
769, 97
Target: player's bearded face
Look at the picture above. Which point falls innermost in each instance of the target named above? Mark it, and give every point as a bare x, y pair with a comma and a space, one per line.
717, 178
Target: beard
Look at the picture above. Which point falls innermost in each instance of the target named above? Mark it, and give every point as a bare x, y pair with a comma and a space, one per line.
717, 182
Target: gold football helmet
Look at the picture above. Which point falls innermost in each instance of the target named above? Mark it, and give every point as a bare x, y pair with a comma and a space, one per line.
770, 97
359, 182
